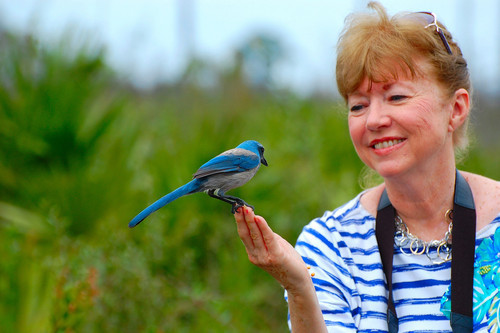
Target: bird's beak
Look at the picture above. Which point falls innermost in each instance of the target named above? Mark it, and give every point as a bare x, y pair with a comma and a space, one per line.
263, 161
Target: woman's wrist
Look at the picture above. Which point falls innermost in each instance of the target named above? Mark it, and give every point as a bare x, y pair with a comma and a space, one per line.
305, 310
301, 285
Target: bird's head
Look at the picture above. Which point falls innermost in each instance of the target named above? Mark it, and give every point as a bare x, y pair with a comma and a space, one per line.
256, 148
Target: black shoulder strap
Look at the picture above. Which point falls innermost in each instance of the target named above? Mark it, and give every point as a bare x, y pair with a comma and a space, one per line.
384, 231
462, 265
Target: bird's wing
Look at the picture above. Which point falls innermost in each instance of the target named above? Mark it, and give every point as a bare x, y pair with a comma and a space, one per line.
234, 160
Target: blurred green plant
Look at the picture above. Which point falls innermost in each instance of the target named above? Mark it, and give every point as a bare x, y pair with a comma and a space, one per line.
81, 153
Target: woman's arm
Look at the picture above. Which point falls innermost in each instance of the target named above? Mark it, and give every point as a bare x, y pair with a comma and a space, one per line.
275, 255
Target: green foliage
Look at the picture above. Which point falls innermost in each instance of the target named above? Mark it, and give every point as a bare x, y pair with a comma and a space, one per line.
81, 154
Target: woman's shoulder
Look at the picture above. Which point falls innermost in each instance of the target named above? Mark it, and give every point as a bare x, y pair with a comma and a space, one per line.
349, 215
486, 193
345, 226
369, 198
481, 183
352, 209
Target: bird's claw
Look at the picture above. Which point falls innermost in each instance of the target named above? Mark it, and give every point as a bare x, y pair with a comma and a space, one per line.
237, 205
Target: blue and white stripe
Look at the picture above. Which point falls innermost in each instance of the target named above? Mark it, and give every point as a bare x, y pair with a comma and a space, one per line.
342, 251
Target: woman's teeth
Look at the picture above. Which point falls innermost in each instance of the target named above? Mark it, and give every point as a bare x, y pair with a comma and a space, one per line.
386, 144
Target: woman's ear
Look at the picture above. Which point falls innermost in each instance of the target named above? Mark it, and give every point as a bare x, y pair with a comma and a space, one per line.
461, 108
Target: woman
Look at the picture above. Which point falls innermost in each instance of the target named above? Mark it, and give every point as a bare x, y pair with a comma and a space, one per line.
407, 89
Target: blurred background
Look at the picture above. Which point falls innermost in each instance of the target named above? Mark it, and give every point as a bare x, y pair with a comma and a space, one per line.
107, 105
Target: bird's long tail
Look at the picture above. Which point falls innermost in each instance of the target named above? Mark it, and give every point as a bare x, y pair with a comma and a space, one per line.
191, 187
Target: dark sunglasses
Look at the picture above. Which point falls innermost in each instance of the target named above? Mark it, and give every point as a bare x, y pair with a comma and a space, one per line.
431, 20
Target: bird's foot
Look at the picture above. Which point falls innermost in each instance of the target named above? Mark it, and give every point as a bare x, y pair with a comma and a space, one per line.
237, 204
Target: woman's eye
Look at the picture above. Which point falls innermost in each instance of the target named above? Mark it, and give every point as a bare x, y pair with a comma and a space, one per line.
397, 98
356, 107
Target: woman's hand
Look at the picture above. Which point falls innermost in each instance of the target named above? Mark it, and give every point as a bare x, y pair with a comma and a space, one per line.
271, 252
275, 255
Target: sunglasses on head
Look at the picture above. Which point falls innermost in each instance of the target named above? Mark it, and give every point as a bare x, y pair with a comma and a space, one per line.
431, 20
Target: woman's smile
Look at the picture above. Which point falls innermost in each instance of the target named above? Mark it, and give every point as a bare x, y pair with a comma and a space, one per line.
381, 144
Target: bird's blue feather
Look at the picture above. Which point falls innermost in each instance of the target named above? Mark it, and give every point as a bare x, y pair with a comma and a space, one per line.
228, 163
188, 188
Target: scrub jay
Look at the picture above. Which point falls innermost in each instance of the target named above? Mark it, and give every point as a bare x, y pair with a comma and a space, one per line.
229, 170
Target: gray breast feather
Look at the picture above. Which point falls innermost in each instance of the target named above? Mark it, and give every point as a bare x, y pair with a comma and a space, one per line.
227, 181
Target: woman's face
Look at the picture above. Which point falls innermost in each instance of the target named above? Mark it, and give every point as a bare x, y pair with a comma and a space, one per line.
401, 126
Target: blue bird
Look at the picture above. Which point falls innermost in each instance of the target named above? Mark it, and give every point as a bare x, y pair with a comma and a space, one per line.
231, 169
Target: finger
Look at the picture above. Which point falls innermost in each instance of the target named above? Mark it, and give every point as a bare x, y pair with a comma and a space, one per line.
268, 236
253, 228
242, 228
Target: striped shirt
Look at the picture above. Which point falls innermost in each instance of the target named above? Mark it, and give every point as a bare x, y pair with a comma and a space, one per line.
341, 249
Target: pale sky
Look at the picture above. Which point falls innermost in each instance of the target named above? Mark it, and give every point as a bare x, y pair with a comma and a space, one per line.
144, 41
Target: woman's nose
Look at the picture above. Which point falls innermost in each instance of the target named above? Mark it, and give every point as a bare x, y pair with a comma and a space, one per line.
377, 116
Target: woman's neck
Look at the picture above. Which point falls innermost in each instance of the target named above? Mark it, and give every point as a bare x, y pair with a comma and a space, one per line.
422, 200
